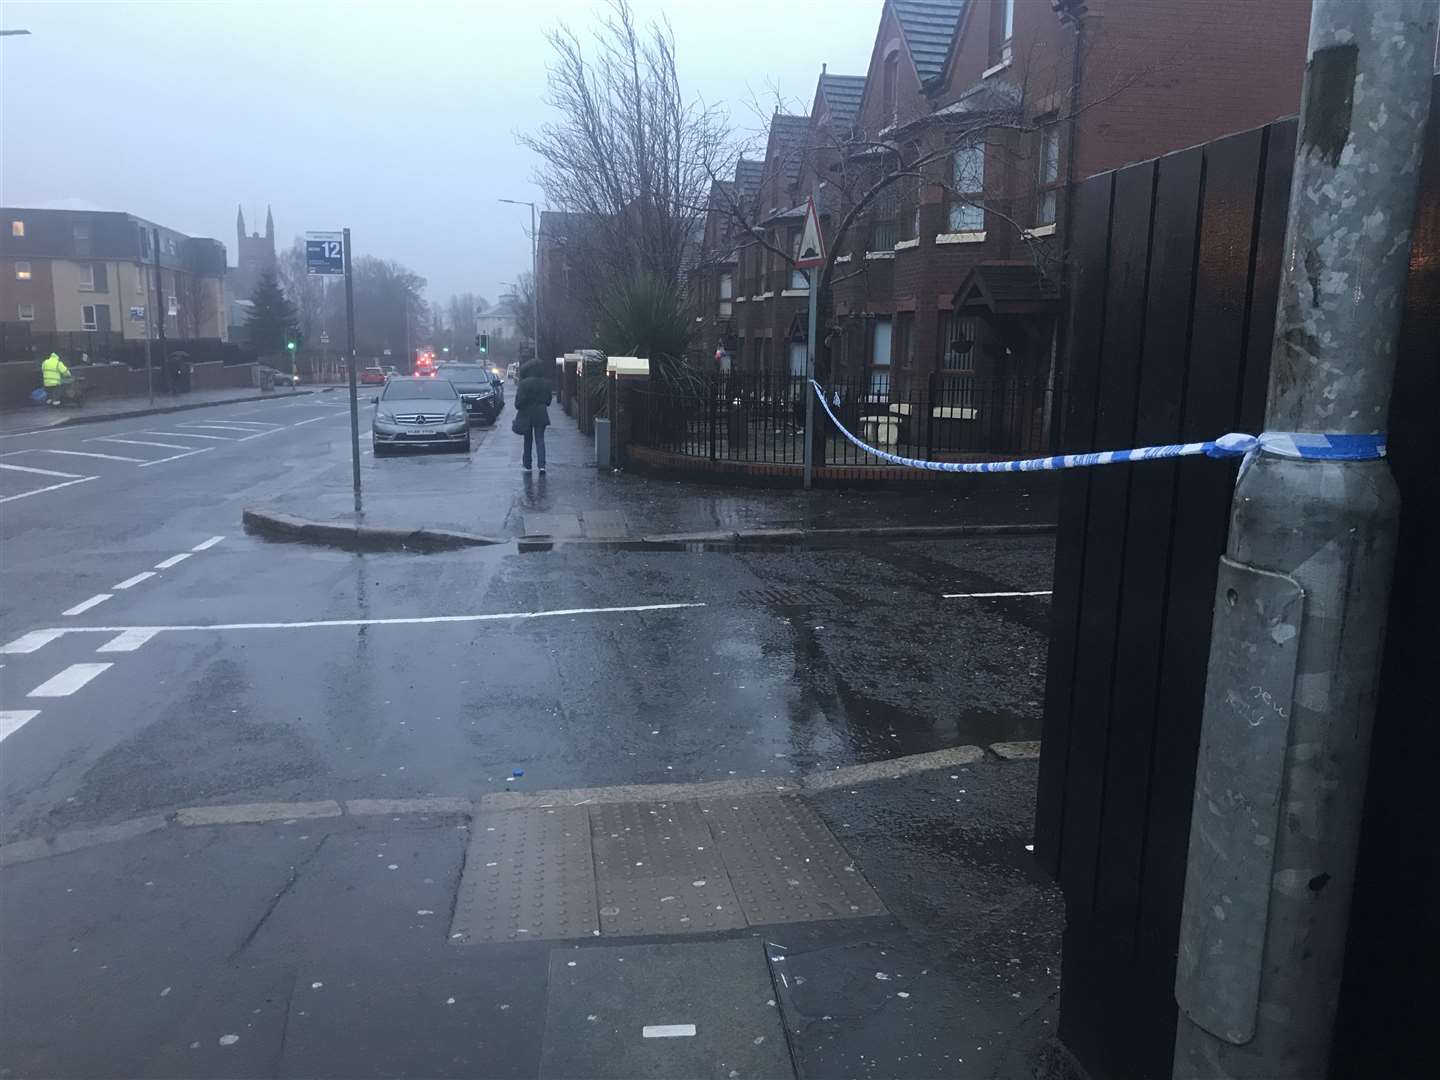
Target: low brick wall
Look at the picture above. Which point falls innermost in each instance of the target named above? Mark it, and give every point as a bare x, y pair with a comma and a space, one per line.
645, 459
218, 376
18, 379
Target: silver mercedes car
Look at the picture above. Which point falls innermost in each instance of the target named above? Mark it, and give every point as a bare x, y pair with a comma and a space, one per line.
419, 411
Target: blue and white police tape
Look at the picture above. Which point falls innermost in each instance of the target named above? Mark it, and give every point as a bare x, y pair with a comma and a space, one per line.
1289, 444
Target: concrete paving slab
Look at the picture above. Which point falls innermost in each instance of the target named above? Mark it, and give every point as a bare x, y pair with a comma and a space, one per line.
605, 524
552, 525
603, 999
785, 864
658, 871
528, 876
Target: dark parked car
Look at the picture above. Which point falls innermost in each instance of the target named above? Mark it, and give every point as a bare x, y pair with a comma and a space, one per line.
419, 412
481, 391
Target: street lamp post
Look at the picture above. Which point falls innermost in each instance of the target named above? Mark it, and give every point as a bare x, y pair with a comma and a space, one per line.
534, 271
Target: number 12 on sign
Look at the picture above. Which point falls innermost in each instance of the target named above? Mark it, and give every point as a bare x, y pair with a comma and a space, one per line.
324, 253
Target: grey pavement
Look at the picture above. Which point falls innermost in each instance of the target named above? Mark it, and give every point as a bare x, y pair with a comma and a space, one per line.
40, 418
324, 948
155, 659
492, 496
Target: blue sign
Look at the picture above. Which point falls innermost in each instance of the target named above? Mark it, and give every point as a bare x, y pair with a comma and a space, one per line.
324, 253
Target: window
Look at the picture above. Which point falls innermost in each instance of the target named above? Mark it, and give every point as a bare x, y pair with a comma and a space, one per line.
883, 233
1049, 178
799, 279
87, 317
87, 277
22, 271
967, 184
727, 295
1002, 30
81, 234
891, 75
959, 344
26, 312
910, 219
17, 228
798, 358
903, 346
880, 361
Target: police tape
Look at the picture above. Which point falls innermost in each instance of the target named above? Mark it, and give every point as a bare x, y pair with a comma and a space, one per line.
1302, 445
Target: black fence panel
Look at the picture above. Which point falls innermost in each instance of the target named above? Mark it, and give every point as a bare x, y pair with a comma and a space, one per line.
753, 418
1176, 267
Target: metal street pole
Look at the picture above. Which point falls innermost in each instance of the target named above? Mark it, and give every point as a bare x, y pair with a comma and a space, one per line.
1300, 606
160, 306
534, 273
350, 370
814, 275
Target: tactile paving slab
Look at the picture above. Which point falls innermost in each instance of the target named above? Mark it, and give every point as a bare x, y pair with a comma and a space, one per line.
528, 877
784, 864
658, 871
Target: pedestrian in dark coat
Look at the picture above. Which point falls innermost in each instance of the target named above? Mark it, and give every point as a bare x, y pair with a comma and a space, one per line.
531, 417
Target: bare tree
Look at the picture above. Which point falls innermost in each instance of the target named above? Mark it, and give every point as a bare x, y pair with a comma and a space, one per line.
197, 300
316, 309
630, 158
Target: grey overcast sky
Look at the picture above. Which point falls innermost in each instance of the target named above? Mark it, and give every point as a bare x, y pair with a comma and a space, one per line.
396, 119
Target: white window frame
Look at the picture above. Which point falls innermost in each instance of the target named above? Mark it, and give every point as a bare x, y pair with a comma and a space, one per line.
1009, 17
727, 294
88, 322
21, 311
87, 277
23, 272
1048, 175
880, 372
967, 178
17, 228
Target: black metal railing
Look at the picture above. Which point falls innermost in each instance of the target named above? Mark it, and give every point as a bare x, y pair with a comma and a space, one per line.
950, 416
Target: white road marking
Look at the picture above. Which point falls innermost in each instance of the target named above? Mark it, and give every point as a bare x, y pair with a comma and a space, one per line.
139, 442
52, 487
189, 435
83, 453
28, 643
86, 605
206, 545
312, 420
144, 575
41, 472
230, 425
129, 641
986, 595
173, 560
177, 457
192, 431
12, 720
36, 638
68, 681
667, 1031
257, 434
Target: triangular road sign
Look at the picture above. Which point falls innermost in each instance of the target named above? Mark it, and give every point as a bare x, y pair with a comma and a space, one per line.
812, 240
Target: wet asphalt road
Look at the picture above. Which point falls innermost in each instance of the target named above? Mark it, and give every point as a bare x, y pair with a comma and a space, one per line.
251, 671
788, 660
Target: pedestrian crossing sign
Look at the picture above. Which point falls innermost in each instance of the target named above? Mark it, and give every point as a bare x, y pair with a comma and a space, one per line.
811, 251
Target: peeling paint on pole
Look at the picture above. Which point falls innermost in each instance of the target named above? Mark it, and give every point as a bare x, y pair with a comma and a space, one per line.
1260, 962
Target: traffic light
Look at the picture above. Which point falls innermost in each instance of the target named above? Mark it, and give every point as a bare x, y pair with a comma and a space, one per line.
483, 340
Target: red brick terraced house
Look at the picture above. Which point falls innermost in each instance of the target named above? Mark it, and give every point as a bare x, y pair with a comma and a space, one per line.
942, 177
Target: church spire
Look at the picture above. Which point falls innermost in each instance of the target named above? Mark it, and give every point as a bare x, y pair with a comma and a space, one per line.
240, 221
269, 223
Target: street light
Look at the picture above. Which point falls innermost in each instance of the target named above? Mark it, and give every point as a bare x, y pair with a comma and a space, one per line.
534, 270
